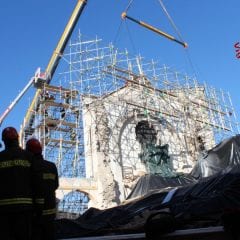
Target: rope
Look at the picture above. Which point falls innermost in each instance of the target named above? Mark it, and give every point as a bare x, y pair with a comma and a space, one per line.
120, 25
179, 35
128, 33
117, 33
128, 6
130, 38
171, 20
191, 63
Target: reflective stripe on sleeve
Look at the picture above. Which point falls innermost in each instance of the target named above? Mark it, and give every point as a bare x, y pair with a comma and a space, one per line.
39, 200
49, 176
13, 201
49, 211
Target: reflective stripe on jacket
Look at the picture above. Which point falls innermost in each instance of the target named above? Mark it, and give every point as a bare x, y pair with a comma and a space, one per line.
20, 178
52, 211
50, 184
12, 201
15, 163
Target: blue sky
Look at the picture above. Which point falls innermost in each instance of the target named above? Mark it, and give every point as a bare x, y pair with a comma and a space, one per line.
31, 29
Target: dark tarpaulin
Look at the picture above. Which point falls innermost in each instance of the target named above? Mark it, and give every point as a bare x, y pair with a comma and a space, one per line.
148, 183
125, 218
210, 195
224, 156
191, 204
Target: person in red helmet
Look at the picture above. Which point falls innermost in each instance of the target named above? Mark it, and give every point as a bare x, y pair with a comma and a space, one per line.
19, 194
44, 225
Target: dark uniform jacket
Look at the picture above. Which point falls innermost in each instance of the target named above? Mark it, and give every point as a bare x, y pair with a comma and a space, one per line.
50, 184
20, 178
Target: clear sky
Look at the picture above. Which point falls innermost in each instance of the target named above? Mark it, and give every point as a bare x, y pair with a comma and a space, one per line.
31, 29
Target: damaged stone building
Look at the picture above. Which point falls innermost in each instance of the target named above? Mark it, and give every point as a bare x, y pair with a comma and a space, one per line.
114, 117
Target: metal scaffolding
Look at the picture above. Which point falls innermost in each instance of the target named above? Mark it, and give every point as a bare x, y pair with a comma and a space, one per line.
87, 118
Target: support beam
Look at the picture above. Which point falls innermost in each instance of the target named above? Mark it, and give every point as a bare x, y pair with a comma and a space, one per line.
149, 27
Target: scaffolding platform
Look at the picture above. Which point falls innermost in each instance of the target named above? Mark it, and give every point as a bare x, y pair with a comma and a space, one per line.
54, 104
48, 140
55, 128
56, 122
58, 89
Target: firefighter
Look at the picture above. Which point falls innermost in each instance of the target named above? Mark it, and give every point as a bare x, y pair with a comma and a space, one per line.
19, 191
44, 226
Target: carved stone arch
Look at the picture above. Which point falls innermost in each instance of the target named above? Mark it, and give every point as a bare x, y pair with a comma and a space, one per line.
73, 201
134, 117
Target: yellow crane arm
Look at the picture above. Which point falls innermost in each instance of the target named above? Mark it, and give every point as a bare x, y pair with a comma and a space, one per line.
54, 60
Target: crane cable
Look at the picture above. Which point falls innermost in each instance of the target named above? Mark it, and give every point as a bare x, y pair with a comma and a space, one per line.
129, 5
149, 27
128, 31
171, 20
178, 33
166, 13
120, 25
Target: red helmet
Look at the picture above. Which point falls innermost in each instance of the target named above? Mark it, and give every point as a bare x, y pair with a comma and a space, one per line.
9, 134
34, 146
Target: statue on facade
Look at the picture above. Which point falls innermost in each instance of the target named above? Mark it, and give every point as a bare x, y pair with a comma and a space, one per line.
154, 156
